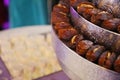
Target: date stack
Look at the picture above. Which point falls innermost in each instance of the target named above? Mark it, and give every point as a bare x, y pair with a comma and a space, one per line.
91, 32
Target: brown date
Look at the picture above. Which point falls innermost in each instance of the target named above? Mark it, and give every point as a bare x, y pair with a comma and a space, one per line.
83, 46
94, 52
61, 8
74, 41
107, 59
61, 25
100, 17
74, 3
83, 6
89, 12
117, 64
111, 24
59, 17
67, 33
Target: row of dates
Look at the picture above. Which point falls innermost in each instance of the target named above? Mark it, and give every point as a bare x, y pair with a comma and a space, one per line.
73, 39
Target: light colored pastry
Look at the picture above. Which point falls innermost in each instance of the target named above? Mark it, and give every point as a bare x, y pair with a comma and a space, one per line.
28, 57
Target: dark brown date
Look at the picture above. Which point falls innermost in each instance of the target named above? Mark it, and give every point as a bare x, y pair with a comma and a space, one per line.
112, 6
65, 3
111, 24
61, 8
100, 17
73, 42
89, 12
58, 17
107, 59
81, 8
94, 52
83, 46
75, 39
117, 64
74, 3
66, 34
61, 25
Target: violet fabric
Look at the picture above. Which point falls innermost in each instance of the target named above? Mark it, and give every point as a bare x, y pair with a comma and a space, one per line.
6, 2
4, 75
55, 76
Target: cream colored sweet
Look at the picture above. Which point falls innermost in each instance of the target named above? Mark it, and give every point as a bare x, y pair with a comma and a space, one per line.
29, 57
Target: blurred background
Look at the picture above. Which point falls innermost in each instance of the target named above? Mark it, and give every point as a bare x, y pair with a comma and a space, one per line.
23, 13
4, 14
18, 13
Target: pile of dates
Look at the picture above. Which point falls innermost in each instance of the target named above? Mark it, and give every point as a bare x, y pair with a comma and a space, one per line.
65, 30
99, 17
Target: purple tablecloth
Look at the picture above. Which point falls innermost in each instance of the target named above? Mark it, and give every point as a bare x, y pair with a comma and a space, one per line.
55, 76
4, 73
